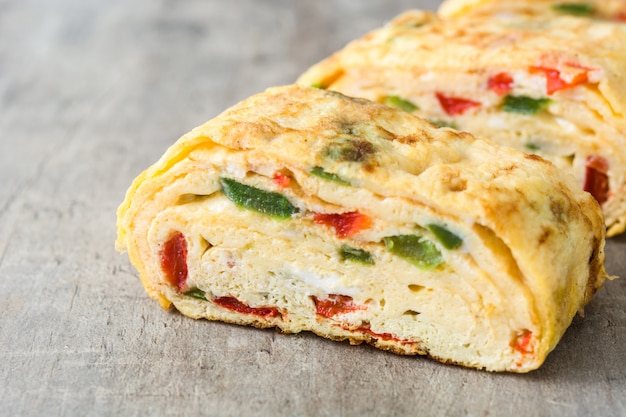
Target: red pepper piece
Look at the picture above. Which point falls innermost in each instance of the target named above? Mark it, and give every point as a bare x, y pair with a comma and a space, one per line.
281, 180
335, 304
500, 83
231, 303
596, 178
620, 16
522, 342
174, 260
554, 82
383, 336
345, 224
455, 106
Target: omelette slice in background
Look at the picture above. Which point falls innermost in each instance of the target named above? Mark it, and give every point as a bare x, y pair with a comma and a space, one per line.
306, 210
549, 85
595, 9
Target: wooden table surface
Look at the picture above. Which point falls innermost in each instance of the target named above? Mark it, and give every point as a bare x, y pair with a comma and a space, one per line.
91, 93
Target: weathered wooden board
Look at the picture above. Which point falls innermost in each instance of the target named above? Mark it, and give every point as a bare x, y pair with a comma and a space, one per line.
91, 93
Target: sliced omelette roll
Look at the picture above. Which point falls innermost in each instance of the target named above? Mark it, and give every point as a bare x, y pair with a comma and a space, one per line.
551, 86
306, 210
595, 9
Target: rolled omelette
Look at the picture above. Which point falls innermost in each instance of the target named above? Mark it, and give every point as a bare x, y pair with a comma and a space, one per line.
306, 210
594, 9
552, 86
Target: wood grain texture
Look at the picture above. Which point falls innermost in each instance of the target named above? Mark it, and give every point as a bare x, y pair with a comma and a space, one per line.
91, 93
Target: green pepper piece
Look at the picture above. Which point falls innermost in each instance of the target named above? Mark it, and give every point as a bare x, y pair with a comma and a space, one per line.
319, 172
348, 253
576, 9
532, 147
524, 104
444, 123
349, 150
265, 202
196, 293
400, 103
448, 239
415, 249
